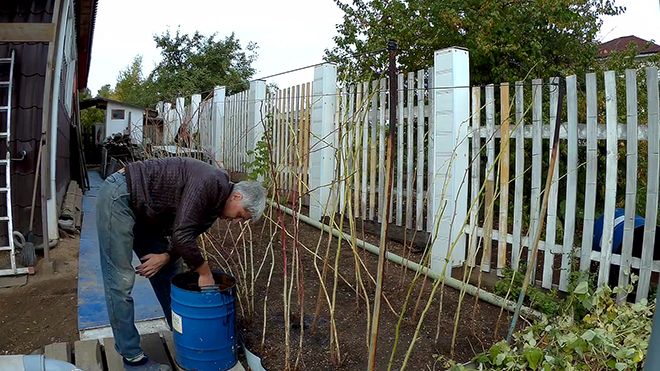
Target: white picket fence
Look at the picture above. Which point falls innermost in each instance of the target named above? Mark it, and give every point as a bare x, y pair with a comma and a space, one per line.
453, 163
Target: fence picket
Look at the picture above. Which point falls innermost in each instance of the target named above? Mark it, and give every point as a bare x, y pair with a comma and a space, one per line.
374, 142
381, 149
651, 215
551, 230
592, 168
610, 178
419, 168
537, 153
365, 146
409, 147
357, 151
475, 175
516, 247
571, 181
399, 153
631, 181
504, 177
490, 178
430, 161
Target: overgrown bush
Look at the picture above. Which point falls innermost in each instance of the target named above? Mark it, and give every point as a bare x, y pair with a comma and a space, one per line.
609, 336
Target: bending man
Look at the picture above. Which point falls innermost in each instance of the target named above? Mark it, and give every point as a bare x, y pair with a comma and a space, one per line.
138, 209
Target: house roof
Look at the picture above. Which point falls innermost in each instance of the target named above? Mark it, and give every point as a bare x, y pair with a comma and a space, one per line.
85, 20
102, 103
644, 47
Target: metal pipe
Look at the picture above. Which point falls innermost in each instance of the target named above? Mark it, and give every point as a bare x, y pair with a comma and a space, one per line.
449, 281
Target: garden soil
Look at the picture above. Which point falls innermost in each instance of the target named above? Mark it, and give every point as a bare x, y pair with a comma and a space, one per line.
478, 325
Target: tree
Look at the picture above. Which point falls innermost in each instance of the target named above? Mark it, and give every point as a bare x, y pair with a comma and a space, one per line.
131, 86
507, 39
196, 63
90, 116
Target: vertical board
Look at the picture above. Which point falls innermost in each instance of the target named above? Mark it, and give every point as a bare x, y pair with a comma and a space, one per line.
571, 181
537, 153
365, 148
652, 182
381, 148
610, 178
430, 161
551, 230
504, 178
357, 151
373, 159
308, 129
631, 179
592, 168
341, 123
419, 203
475, 185
516, 246
490, 178
410, 129
399, 154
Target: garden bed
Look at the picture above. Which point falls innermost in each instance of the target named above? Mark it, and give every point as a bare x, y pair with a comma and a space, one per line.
478, 326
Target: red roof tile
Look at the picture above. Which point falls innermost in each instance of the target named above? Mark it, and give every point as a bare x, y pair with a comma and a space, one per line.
622, 43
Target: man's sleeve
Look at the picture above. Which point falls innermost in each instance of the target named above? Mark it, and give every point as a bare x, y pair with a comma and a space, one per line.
192, 219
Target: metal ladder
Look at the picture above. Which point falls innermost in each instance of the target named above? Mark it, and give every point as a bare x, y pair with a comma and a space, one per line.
5, 164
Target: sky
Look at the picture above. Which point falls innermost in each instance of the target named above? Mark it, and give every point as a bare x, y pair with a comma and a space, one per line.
290, 33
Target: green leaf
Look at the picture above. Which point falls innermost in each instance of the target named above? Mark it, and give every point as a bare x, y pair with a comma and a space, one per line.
533, 356
582, 288
588, 335
620, 366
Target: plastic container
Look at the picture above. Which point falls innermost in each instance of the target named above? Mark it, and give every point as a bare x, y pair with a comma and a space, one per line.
203, 323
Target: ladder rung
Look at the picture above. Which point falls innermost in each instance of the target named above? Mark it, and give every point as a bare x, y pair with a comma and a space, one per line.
3, 161
4, 218
3, 133
4, 189
4, 83
5, 248
3, 108
5, 60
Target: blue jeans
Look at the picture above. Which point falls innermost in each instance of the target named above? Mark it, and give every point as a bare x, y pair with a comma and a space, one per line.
120, 235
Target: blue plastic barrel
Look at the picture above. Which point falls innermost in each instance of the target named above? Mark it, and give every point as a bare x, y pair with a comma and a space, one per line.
617, 237
203, 323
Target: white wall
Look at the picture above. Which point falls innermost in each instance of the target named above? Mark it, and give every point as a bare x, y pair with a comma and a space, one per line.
134, 127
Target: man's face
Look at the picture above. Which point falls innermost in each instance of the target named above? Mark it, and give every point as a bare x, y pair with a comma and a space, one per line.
234, 208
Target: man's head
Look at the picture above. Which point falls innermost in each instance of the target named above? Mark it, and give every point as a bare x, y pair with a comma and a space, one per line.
247, 201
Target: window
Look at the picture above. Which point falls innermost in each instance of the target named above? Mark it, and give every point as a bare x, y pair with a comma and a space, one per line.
117, 114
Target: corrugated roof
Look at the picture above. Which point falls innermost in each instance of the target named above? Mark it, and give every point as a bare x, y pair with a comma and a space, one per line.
622, 43
34, 11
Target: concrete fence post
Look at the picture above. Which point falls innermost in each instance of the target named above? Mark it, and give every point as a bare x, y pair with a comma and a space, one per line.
448, 144
217, 123
256, 114
323, 137
195, 101
168, 124
179, 115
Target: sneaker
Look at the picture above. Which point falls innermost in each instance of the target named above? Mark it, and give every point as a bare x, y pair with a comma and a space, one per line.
145, 364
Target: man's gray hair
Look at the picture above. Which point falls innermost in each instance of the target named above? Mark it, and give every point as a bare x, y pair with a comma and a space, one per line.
254, 197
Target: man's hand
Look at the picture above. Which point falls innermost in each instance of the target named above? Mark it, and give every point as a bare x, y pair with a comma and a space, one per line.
205, 276
151, 264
